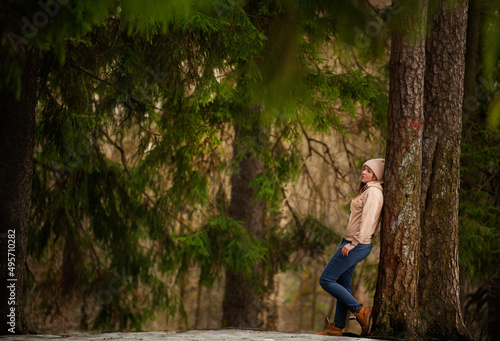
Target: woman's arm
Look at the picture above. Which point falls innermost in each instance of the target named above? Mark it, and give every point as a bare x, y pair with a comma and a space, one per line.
346, 249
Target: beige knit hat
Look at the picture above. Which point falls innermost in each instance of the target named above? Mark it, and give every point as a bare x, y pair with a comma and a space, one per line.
377, 166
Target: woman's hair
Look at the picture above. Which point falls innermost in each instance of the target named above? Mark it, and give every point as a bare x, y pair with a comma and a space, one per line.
361, 187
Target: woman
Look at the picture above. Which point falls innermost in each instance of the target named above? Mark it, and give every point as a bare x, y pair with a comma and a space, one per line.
336, 278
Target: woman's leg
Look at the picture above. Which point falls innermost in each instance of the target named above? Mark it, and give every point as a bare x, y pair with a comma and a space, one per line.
331, 281
341, 309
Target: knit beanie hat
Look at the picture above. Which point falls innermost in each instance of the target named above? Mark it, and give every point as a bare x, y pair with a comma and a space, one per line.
377, 166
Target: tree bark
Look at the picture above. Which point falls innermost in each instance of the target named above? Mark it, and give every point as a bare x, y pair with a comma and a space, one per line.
242, 303
395, 305
17, 121
438, 288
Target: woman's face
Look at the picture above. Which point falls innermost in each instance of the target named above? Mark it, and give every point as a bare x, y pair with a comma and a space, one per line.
366, 174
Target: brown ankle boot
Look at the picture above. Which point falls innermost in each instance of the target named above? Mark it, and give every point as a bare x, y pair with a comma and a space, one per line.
330, 329
363, 317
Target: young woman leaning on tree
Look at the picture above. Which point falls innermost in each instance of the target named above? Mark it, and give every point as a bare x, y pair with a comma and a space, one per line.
336, 278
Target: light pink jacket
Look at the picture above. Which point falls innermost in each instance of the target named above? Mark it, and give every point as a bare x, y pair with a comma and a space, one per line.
365, 214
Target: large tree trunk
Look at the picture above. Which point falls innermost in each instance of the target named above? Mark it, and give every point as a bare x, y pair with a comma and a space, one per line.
17, 119
395, 306
438, 288
242, 303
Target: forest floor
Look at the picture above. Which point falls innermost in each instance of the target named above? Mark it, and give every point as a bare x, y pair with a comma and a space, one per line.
190, 335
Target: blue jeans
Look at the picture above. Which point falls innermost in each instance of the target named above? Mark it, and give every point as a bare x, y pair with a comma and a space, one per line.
336, 279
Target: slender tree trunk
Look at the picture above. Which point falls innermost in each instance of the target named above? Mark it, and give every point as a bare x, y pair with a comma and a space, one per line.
470, 107
182, 322
493, 308
242, 303
395, 305
314, 294
301, 300
197, 315
272, 308
17, 119
438, 288
470, 101
472, 114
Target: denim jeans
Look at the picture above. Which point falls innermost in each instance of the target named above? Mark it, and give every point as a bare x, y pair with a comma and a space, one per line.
336, 279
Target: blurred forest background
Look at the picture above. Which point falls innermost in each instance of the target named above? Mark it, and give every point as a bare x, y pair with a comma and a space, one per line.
185, 151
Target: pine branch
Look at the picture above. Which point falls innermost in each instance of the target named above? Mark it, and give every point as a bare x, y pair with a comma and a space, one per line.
122, 153
295, 217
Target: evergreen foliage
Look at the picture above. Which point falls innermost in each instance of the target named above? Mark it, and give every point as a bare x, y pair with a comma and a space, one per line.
479, 204
148, 89
479, 242
128, 191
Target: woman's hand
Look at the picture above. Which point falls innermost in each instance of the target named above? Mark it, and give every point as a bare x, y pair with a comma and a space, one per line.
346, 249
